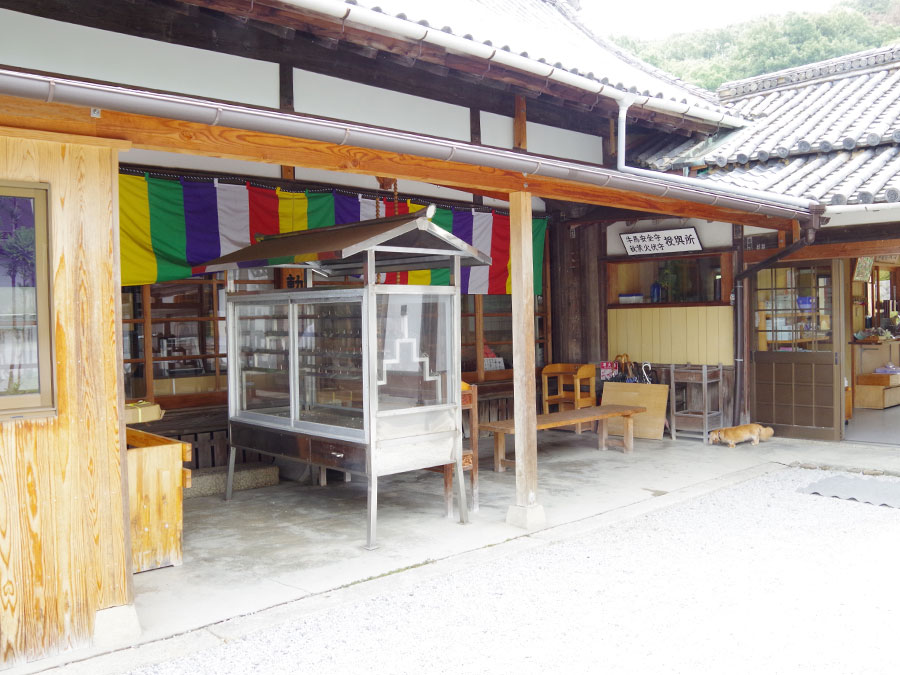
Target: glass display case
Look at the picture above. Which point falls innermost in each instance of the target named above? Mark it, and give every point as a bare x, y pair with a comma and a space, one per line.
365, 380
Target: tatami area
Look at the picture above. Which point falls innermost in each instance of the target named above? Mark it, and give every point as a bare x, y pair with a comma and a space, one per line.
274, 545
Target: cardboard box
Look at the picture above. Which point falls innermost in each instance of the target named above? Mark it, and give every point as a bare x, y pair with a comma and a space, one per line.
142, 411
879, 379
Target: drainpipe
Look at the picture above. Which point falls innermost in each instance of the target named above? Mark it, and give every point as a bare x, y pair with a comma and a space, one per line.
729, 190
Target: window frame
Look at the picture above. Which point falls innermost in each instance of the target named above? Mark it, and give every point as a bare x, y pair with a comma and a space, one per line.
43, 402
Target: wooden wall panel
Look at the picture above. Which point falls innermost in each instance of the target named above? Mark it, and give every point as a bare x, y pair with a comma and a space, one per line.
63, 537
673, 334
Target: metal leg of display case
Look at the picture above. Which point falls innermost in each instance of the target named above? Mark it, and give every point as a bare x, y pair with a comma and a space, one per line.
229, 480
372, 513
461, 483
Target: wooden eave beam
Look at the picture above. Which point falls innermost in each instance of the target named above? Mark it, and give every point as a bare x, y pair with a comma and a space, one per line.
828, 251
167, 135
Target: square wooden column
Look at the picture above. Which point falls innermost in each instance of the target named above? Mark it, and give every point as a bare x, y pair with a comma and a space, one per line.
526, 512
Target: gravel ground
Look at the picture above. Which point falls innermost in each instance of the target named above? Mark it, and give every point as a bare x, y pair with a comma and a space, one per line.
755, 578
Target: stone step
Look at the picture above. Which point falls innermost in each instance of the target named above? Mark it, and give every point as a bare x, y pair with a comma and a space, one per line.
211, 480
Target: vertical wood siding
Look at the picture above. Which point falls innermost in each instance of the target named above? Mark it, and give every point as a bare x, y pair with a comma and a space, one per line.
673, 334
63, 540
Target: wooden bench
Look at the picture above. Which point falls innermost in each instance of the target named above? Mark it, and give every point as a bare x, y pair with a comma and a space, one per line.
598, 414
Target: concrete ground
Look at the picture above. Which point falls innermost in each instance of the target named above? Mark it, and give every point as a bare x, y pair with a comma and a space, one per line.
274, 551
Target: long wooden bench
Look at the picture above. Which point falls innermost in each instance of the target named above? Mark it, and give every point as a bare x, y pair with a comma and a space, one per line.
598, 414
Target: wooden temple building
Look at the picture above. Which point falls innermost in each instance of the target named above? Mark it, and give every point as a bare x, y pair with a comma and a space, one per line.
156, 135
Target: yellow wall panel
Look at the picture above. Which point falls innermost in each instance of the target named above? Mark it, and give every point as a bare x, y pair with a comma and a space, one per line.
645, 353
665, 335
694, 335
694, 329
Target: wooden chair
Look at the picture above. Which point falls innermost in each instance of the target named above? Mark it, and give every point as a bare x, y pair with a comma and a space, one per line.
470, 456
570, 378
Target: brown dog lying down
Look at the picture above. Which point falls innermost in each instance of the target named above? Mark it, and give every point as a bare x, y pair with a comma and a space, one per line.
739, 434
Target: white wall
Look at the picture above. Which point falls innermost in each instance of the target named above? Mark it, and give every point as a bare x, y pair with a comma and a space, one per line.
712, 235
497, 130
53, 46
332, 97
176, 160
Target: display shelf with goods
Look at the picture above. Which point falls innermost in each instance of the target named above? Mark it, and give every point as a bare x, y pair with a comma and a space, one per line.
365, 379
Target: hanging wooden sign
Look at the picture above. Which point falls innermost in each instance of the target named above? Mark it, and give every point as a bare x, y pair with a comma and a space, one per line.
662, 241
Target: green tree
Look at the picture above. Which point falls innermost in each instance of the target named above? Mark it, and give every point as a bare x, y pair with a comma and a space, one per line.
710, 57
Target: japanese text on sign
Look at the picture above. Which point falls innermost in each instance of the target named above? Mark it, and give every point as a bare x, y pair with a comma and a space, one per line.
663, 241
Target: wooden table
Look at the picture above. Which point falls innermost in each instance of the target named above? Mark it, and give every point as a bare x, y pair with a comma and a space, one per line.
598, 414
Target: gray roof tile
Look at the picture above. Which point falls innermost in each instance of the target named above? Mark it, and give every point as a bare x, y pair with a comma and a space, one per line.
548, 31
828, 131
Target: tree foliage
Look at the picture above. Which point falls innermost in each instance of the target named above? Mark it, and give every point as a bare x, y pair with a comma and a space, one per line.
710, 57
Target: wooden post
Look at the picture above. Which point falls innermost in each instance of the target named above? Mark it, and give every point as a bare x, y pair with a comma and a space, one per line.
520, 133
286, 103
526, 512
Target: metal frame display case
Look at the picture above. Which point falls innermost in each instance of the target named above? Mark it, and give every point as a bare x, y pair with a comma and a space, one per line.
365, 380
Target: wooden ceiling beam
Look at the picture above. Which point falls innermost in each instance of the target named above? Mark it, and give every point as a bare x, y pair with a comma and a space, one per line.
854, 249
167, 135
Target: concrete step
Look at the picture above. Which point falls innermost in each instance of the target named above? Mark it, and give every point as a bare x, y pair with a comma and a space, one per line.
211, 480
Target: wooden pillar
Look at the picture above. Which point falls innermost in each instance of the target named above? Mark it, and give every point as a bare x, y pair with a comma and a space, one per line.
526, 512
286, 103
520, 133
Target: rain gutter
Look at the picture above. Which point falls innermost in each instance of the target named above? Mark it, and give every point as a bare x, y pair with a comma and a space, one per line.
52, 88
863, 214
416, 32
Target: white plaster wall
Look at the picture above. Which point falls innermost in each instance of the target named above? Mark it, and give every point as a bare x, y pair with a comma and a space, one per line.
332, 97
497, 130
712, 235
407, 187
42, 44
175, 160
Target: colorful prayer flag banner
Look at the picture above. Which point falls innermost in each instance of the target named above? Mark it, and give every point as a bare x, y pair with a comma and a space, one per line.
169, 228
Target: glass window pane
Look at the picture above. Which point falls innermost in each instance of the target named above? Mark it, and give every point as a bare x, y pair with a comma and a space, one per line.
329, 352
197, 376
794, 311
135, 384
263, 362
19, 368
414, 355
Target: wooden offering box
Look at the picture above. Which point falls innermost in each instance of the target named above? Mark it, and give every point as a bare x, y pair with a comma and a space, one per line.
156, 479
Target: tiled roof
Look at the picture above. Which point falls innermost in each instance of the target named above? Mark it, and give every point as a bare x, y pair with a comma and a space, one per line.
827, 131
547, 31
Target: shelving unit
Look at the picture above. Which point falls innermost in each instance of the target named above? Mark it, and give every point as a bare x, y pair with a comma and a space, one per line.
690, 384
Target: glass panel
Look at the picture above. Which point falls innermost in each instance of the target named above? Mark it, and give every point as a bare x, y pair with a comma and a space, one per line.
132, 307
135, 385
794, 309
256, 279
19, 373
183, 299
692, 280
414, 355
198, 379
132, 340
262, 350
330, 362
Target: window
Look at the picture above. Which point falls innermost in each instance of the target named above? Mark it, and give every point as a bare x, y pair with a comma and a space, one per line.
793, 309
671, 281
26, 364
